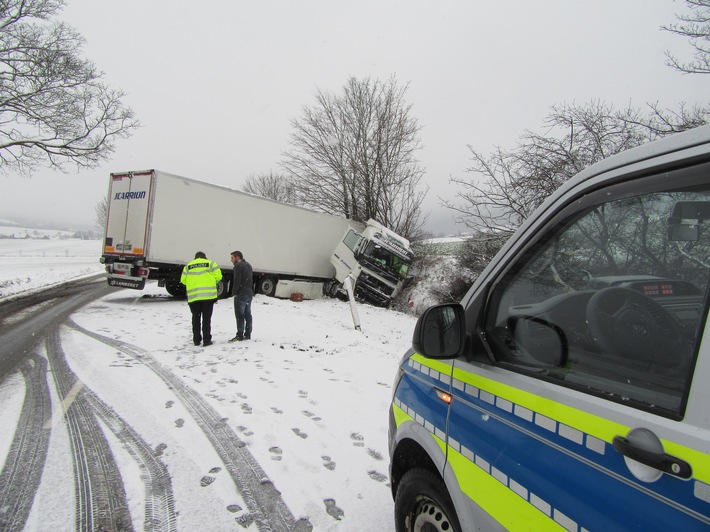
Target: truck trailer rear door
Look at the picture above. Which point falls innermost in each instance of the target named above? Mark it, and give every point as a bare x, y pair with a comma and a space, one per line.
128, 209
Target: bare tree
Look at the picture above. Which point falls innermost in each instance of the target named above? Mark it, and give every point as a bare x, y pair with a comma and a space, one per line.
54, 107
696, 27
273, 186
509, 184
354, 155
101, 215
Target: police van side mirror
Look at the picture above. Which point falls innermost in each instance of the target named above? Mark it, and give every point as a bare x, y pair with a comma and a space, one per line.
440, 332
685, 220
538, 341
683, 233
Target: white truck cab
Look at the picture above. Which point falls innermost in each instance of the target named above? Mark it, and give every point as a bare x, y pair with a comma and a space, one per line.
376, 259
569, 388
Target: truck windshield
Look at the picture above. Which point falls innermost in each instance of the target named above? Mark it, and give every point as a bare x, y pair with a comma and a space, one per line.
391, 265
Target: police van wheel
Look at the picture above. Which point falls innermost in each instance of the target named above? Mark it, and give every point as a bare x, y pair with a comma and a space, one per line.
423, 503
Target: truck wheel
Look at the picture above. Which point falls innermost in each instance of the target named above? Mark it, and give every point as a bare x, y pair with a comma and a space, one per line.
267, 285
423, 503
176, 289
223, 289
331, 288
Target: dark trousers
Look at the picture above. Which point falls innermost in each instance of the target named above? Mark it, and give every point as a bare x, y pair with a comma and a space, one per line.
242, 311
202, 320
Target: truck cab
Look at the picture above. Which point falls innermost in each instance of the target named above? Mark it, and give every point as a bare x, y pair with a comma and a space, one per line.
568, 389
376, 259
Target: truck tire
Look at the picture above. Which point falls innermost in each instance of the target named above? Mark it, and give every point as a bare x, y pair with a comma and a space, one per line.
176, 289
331, 289
223, 289
423, 503
267, 285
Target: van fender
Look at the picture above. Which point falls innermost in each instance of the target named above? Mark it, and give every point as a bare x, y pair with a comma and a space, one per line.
408, 428
471, 516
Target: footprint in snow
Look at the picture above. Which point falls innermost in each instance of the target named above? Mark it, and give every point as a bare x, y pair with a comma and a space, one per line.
276, 453
245, 520
379, 477
311, 415
328, 463
179, 423
332, 510
299, 433
276, 410
245, 430
374, 454
208, 479
358, 439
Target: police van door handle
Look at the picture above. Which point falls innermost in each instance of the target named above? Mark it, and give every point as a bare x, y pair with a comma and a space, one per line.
661, 461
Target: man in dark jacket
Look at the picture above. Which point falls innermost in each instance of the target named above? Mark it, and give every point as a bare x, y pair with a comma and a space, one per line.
243, 292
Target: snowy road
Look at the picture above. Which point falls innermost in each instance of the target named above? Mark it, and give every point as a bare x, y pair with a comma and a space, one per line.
285, 432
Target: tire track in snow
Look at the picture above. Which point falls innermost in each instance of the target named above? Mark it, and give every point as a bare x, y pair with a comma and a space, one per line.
21, 475
263, 500
159, 508
101, 502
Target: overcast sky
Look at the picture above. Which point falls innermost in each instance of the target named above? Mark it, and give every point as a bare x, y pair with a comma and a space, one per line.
216, 84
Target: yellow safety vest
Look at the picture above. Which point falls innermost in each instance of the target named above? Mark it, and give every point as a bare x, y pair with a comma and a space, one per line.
200, 278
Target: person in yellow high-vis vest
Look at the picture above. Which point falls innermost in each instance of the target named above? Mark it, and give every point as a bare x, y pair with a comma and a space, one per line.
200, 277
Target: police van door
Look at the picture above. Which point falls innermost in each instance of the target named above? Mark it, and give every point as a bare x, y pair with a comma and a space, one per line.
127, 221
585, 405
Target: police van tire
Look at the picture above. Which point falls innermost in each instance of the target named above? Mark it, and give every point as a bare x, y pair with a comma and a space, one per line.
422, 502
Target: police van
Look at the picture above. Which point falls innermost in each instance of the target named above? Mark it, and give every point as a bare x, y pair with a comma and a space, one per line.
569, 390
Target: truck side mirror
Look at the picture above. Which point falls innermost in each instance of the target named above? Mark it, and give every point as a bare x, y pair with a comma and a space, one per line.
440, 332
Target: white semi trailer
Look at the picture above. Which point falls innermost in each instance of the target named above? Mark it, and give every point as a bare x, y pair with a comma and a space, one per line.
157, 221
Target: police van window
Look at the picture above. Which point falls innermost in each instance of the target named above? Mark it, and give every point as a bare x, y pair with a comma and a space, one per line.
611, 301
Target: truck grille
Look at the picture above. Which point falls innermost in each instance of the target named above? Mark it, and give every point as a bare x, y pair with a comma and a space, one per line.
372, 290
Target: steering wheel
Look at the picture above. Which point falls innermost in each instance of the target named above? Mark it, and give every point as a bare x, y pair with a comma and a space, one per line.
627, 324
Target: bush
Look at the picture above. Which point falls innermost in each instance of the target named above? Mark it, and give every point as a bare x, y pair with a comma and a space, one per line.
472, 258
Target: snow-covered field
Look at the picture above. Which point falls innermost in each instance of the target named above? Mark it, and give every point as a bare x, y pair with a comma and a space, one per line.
44, 259
308, 394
